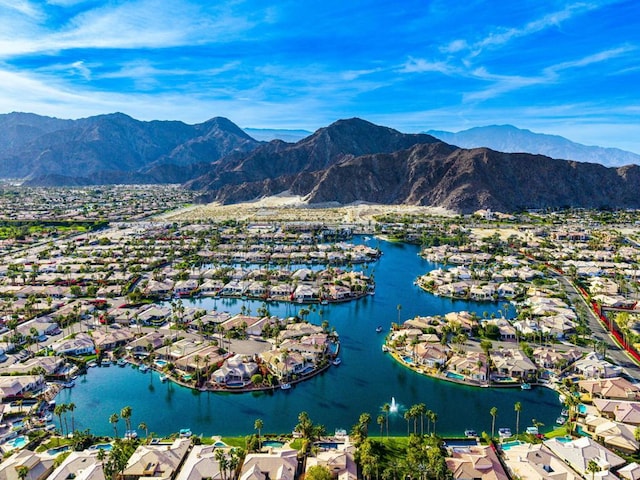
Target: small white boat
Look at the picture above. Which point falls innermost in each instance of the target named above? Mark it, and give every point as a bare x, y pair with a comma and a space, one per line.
163, 378
337, 361
560, 420
504, 432
92, 364
379, 329
470, 433
285, 386
525, 386
185, 432
144, 368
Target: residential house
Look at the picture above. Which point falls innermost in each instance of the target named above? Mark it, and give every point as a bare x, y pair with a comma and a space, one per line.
578, 453
40, 465
81, 344
82, 465
201, 463
276, 465
475, 462
235, 371
340, 462
529, 461
159, 460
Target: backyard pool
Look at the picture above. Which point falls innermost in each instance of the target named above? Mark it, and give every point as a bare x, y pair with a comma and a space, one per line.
454, 375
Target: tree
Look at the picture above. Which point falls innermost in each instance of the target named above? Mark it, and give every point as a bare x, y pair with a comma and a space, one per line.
386, 408
223, 463
593, 467
517, 407
125, 414
22, 471
318, 472
71, 407
143, 426
258, 425
380, 421
399, 308
493, 412
113, 420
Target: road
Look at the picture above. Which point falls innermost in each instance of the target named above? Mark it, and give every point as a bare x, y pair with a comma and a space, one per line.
598, 332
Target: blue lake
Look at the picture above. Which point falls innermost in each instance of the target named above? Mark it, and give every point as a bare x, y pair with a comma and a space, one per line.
366, 379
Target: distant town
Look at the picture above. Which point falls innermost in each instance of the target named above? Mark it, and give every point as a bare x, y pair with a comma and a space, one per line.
114, 276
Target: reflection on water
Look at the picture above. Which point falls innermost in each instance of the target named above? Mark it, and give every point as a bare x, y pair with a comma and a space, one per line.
365, 381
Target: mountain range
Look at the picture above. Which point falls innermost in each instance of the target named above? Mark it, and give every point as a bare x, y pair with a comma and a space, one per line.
348, 161
510, 139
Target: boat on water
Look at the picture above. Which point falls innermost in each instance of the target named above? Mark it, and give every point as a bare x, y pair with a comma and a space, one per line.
185, 432
561, 420
69, 384
122, 362
163, 378
144, 368
525, 386
564, 412
470, 433
92, 364
504, 432
129, 434
379, 329
337, 361
105, 363
285, 386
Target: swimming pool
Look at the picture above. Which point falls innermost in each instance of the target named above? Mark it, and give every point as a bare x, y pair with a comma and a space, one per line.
102, 446
513, 443
18, 442
273, 443
457, 376
57, 450
407, 359
160, 363
219, 444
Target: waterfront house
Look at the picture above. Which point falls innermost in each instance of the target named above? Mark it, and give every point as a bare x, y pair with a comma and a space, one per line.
160, 289
578, 453
154, 315
185, 287
112, 339
551, 358
618, 410
140, 346
14, 385
82, 465
236, 371
81, 344
473, 364
201, 463
160, 460
612, 434
39, 465
275, 465
475, 463
513, 363
50, 365
529, 461
340, 462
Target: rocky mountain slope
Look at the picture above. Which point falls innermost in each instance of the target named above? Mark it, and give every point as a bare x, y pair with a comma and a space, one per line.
507, 138
353, 160
112, 148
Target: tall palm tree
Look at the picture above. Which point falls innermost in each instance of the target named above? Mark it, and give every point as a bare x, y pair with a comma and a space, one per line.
593, 467
517, 407
421, 410
399, 308
113, 420
493, 412
125, 414
407, 416
58, 411
71, 407
434, 418
380, 421
223, 463
258, 425
386, 408
143, 426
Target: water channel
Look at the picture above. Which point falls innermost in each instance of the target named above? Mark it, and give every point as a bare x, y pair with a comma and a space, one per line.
366, 379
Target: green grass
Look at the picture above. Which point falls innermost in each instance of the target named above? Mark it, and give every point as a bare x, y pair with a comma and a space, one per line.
238, 442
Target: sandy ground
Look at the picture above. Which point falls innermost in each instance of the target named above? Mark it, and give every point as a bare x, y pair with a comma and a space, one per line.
292, 208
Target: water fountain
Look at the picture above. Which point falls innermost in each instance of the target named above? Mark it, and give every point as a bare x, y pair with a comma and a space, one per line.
394, 406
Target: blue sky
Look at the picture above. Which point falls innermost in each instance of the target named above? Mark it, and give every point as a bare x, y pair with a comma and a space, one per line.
568, 68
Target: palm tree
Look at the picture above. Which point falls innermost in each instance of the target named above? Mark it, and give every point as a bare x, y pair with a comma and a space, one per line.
143, 426
517, 407
223, 463
421, 410
386, 408
380, 421
113, 420
407, 417
71, 407
58, 411
258, 424
593, 467
434, 419
125, 414
493, 412
22, 471
399, 308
